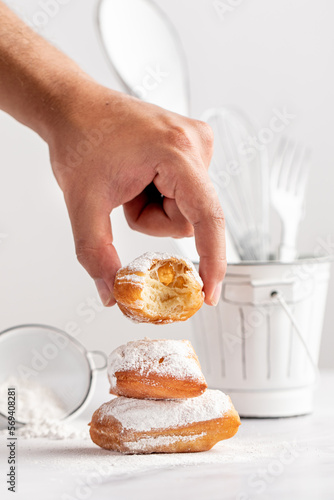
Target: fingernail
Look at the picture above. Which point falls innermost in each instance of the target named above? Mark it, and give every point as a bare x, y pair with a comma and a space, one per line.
103, 290
216, 294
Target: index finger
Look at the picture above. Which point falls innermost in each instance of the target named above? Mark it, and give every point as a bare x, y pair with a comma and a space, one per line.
198, 202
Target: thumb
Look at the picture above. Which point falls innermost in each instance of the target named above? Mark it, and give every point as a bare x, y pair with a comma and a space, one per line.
91, 227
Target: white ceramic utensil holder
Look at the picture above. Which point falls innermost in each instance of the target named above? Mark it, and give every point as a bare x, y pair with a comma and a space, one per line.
261, 343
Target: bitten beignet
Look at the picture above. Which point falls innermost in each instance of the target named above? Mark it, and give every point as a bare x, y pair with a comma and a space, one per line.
164, 426
155, 369
158, 288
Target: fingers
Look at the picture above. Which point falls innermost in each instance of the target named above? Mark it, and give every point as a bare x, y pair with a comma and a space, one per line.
198, 202
209, 225
93, 238
189, 200
182, 226
157, 218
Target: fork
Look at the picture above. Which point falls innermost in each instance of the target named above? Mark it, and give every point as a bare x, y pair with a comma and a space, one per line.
288, 180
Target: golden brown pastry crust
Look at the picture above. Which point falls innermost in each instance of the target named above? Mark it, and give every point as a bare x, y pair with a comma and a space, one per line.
158, 288
156, 369
133, 385
107, 432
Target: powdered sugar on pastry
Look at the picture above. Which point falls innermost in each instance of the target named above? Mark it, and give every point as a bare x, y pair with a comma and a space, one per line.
142, 415
134, 278
167, 358
146, 444
144, 263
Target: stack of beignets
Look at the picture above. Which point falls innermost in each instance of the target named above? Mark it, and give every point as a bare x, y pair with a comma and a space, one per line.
163, 405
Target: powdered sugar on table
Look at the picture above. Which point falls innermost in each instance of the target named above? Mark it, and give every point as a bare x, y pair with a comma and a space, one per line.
42, 412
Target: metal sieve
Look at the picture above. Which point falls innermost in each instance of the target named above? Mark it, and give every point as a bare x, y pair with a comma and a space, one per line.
50, 358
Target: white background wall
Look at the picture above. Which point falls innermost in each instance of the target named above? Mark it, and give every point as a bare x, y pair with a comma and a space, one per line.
261, 55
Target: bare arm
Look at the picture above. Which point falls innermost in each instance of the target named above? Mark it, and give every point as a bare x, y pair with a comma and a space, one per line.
105, 149
35, 78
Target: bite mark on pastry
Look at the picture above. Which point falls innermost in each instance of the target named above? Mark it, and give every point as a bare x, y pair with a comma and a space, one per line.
158, 288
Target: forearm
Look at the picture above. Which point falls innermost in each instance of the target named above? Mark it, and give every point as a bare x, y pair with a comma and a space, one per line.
36, 80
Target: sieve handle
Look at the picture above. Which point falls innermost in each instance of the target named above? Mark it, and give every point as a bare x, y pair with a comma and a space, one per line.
92, 354
281, 300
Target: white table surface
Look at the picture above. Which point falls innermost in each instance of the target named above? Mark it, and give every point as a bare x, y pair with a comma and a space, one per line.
287, 458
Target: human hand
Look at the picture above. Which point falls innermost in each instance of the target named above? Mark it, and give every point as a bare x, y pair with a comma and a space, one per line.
106, 150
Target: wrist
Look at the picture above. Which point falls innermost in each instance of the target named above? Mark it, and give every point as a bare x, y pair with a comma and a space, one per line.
80, 107
58, 103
